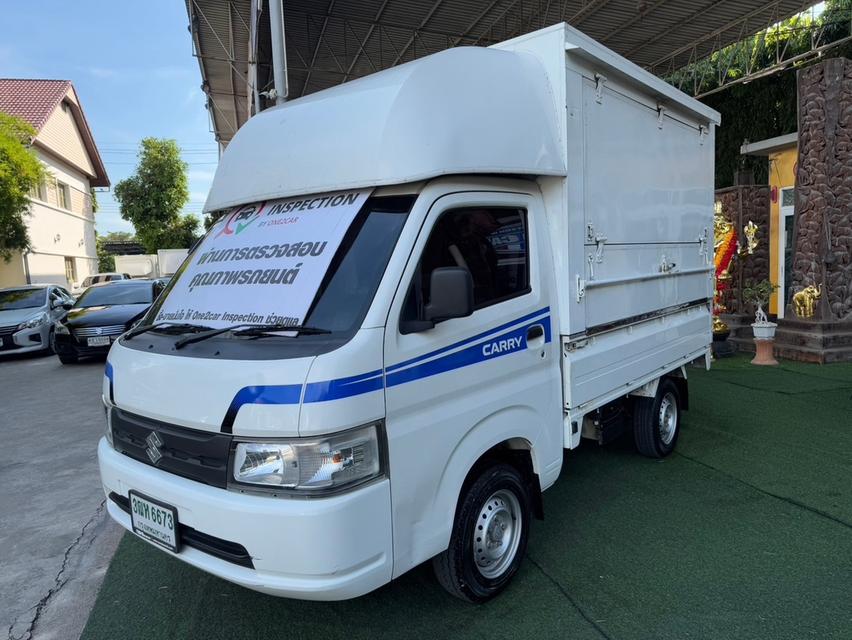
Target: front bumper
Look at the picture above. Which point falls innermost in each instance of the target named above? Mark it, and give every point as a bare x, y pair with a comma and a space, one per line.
69, 345
25, 341
313, 549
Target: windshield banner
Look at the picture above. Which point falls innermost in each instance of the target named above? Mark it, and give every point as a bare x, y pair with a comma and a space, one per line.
262, 263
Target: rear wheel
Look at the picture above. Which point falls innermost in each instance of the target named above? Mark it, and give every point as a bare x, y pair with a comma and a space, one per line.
489, 536
656, 421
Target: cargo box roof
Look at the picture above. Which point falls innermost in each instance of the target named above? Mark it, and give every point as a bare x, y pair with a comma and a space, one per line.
464, 110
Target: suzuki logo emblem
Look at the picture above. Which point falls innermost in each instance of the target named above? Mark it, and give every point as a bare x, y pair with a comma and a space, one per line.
99, 331
154, 443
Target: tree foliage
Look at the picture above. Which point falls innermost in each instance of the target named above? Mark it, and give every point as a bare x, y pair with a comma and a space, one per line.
106, 261
20, 172
764, 107
152, 199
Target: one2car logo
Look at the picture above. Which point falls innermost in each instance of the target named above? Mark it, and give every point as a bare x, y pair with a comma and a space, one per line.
240, 219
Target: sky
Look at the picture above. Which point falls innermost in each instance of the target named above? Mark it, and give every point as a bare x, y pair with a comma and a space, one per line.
132, 66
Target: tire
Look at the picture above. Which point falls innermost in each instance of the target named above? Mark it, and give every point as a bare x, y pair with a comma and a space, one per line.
68, 358
497, 501
51, 343
656, 421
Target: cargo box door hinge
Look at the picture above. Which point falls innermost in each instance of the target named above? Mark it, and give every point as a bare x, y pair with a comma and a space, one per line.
581, 288
702, 246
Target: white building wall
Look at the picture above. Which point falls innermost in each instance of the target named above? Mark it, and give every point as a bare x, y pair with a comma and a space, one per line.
57, 233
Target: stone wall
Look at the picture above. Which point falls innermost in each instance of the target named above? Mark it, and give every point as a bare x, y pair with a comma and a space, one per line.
741, 205
823, 226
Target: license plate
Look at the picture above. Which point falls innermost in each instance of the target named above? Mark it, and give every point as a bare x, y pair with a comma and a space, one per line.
99, 341
154, 521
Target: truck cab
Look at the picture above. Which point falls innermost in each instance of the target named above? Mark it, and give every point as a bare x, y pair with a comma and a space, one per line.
380, 351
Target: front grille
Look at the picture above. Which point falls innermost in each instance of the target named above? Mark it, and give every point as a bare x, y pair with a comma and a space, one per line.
197, 455
91, 332
223, 549
6, 335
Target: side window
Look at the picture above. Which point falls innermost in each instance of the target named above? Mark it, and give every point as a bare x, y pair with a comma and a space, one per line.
491, 243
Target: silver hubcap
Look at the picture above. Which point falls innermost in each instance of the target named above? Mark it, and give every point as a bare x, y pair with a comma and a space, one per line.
668, 418
497, 533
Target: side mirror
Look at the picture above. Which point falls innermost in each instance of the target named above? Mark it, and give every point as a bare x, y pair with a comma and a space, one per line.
67, 305
451, 297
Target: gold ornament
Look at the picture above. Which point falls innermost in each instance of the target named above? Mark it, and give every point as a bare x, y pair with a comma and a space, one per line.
750, 231
719, 326
804, 302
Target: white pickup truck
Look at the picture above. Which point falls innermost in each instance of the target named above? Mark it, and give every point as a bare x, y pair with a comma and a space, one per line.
426, 284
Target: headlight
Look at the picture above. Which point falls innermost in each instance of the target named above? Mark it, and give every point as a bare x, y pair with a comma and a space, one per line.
311, 465
58, 327
35, 321
108, 418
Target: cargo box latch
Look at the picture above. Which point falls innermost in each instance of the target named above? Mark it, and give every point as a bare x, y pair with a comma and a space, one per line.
600, 80
596, 257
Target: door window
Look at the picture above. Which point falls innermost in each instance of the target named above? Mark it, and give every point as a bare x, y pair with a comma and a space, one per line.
490, 242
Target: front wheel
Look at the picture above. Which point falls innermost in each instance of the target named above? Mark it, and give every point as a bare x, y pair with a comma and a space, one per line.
51, 343
489, 536
656, 421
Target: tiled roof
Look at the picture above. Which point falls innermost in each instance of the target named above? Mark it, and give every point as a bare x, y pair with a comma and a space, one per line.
32, 100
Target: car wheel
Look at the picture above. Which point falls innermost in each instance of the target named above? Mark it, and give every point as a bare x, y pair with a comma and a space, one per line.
489, 536
51, 343
68, 358
656, 421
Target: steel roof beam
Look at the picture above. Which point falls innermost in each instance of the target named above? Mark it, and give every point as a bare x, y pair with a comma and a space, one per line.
423, 22
370, 30
328, 11
772, 5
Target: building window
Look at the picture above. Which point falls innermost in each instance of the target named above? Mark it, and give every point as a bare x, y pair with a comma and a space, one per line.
788, 197
39, 192
70, 270
63, 195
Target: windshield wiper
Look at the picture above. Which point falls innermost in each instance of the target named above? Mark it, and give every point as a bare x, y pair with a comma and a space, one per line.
207, 334
252, 330
261, 330
183, 326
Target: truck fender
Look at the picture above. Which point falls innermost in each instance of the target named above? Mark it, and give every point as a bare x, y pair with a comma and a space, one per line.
516, 425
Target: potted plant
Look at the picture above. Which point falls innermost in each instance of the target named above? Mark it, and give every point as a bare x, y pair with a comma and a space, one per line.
757, 294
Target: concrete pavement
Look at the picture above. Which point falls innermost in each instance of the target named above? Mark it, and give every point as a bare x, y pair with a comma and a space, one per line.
55, 538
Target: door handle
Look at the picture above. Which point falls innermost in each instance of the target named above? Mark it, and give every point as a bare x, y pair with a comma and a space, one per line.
534, 332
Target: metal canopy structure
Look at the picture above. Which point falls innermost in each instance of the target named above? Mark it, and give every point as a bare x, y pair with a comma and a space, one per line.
331, 41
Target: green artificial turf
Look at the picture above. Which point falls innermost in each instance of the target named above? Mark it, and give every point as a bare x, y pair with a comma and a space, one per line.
745, 532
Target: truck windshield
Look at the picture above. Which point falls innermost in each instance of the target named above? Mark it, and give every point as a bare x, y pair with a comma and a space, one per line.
336, 304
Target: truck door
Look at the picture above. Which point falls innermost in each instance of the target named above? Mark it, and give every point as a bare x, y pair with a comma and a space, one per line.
467, 384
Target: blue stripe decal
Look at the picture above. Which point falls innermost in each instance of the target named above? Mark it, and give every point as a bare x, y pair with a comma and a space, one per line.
489, 349
110, 374
344, 387
479, 336
269, 394
480, 348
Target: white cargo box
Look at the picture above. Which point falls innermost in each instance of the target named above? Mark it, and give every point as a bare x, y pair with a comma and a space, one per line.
632, 221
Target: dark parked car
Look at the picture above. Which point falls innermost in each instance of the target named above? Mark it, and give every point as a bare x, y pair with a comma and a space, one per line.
101, 314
